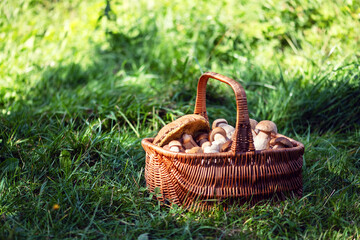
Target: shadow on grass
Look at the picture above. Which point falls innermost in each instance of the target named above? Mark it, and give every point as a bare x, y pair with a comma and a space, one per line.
330, 104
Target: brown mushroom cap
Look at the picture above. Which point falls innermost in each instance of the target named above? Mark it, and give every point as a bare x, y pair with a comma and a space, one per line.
175, 143
201, 136
267, 126
218, 121
188, 124
281, 140
278, 146
194, 150
253, 123
272, 142
217, 130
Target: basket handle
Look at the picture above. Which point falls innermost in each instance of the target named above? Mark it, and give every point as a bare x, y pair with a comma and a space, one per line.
242, 137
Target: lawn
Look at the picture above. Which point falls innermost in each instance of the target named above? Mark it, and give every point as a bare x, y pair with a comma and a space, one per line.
82, 82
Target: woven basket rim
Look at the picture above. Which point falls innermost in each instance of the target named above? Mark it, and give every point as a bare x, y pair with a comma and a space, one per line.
148, 142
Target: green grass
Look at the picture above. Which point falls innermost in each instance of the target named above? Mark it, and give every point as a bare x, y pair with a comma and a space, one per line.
82, 82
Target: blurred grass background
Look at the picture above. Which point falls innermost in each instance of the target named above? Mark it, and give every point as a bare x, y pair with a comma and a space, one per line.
82, 82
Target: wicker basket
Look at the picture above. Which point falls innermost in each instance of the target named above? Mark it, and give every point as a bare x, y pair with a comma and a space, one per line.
199, 181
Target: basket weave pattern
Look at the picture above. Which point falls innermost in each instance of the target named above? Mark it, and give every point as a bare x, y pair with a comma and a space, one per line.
196, 180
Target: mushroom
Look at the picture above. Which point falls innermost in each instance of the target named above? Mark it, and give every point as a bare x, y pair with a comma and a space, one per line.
218, 135
175, 146
202, 138
188, 124
215, 148
194, 150
188, 141
266, 129
221, 122
166, 147
205, 145
253, 123
280, 142
226, 146
217, 139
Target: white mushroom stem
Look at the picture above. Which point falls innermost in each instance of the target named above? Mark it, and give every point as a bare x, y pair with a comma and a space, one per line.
219, 139
261, 141
175, 149
218, 134
205, 144
216, 145
175, 146
188, 141
206, 149
254, 133
211, 149
228, 129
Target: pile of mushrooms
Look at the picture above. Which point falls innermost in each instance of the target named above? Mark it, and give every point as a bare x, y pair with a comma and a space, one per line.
191, 134
265, 136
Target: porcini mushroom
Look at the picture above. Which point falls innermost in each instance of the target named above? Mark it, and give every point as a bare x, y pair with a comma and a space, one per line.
221, 122
175, 146
226, 146
202, 138
217, 139
253, 123
215, 148
266, 129
280, 142
188, 141
218, 134
166, 147
188, 124
205, 145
